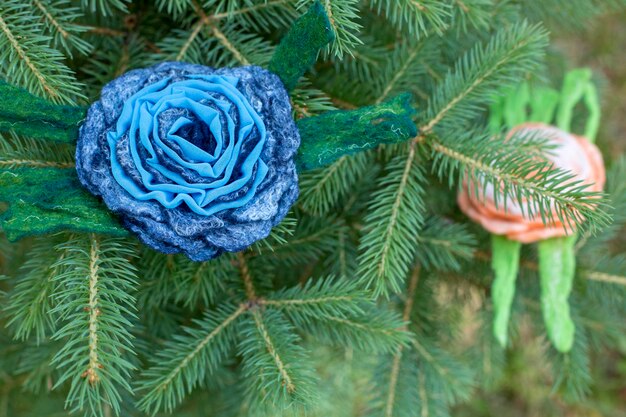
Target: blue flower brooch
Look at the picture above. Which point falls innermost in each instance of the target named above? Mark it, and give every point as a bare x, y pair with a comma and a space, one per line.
190, 159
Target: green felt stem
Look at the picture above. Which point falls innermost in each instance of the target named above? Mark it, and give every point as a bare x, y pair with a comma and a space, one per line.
515, 106
45, 200
574, 86
496, 115
557, 266
298, 50
35, 117
593, 107
328, 137
543, 102
505, 264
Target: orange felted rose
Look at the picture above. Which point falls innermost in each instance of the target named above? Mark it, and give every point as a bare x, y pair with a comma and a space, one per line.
572, 153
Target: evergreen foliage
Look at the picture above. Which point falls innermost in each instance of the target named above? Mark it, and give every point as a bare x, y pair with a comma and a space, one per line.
372, 297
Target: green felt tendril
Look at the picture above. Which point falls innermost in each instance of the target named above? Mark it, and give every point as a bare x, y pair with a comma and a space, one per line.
578, 86
298, 50
334, 134
505, 264
543, 102
496, 115
574, 87
515, 106
557, 267
35, 117
593, 107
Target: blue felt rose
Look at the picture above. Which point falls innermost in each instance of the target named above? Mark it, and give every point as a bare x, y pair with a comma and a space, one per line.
192, 159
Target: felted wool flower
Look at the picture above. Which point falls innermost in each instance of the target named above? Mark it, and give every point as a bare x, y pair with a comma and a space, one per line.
572, 153
192, 159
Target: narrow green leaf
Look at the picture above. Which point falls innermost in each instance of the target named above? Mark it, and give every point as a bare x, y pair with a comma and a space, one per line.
505, 264
557, 267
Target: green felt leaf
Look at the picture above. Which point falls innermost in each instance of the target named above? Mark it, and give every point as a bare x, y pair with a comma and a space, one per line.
515, 106
505, 264
328, 137
557, 266
573, 90
298, 50
45, 200
543, 102
35, 117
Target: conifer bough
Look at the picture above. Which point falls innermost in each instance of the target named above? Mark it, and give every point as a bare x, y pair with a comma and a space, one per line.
97, 324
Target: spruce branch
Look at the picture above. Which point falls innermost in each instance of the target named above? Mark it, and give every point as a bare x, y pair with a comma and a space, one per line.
406, 60
390, 232
230, 47
284, 377
273, 362
596, 247
376, 330
114, 55
193, 35
16, 151
174, 278
104, 7
572, 373
215, 41
59, 17
443, 244
446, 380
278, 236
27, 60
278, 376
418, 16
308, 101
421, 376
608, 278
94, 302
262, 17
323, 188
508, 56
246, 277
29, 302
188, 359
330, 297
394, 376
471, 14
176, 8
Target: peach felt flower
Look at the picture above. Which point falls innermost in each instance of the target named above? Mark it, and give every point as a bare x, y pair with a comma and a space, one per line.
572, 153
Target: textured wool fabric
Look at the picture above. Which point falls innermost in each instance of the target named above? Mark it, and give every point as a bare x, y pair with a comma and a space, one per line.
328, 137
46, 200
192, 159
35, 117
572, 153
298, 50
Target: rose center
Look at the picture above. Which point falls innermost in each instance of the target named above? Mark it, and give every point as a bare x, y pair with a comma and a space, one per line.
198, 134
187, 126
